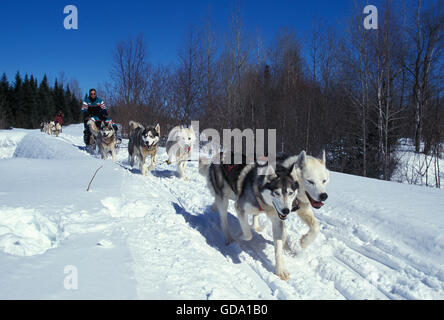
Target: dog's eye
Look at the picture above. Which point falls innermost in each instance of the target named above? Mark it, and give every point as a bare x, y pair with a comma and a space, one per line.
290, 193
277, 193
310, 182
324, 181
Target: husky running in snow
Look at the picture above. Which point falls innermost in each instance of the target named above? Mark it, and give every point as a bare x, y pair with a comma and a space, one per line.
313, 177
105, 137
273, 192
180, 146
48, 127
57, 129
143, 142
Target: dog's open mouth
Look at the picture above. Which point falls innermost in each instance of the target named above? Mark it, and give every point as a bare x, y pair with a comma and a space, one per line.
282, 216
314, 204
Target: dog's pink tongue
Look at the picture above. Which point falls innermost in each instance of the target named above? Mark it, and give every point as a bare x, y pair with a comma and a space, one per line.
316, 204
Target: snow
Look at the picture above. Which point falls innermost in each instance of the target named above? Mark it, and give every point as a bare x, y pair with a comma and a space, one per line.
155, 237
417, 168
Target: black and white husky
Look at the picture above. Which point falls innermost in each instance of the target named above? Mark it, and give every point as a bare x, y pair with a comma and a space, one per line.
269, 190
105, 138
143, 142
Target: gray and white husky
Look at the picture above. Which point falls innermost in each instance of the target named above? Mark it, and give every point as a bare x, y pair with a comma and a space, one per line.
143, 142
253, 193
180, 146
313, 177
105, 137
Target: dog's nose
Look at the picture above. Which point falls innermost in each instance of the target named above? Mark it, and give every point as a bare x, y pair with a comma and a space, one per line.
285, 211
323, 196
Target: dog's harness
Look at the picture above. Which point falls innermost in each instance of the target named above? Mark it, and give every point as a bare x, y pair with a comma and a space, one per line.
297, 207
259, 205
230, 167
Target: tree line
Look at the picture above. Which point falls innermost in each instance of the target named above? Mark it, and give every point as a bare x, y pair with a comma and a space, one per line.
353, 92
25, 103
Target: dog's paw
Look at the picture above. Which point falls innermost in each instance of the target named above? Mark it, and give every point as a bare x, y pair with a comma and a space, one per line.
289, 249
283, 274
246, 237
305, 241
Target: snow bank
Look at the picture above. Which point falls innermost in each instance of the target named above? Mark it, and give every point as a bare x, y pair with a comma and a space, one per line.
26, 232
9, 139
37, 145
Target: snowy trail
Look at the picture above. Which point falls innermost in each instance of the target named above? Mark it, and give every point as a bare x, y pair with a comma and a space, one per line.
165, 230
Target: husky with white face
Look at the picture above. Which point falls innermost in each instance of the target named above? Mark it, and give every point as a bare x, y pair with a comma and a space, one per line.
143, 142
180, 146
313, 177
107, 140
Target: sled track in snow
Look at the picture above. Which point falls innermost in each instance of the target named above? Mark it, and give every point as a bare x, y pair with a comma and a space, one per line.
257, 254
387, 270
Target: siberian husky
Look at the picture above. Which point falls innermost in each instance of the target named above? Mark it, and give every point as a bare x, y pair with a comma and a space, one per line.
313, 177
57, 129
180, 146
253, 193
105, 138
143, 142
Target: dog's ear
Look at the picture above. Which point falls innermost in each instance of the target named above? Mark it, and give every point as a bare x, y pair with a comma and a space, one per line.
157, 128
302, 159
295, 172
269, 172
323, 157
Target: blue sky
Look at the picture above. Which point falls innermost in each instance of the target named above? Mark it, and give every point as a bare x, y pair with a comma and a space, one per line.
33, 39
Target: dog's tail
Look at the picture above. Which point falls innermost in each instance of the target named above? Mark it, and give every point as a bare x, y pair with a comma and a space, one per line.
134, 125
204, 165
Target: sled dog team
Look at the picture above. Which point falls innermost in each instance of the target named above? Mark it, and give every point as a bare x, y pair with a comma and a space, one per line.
296, 182
51, 128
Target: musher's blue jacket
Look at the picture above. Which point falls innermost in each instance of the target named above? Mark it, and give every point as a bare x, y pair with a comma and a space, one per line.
94, 108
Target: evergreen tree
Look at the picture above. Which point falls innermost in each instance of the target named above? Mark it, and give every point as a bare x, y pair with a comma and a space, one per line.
35, 107
29, 103
6, 116
18, 103
59, 99
46, 105
67, 104
76, 107
26, 104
